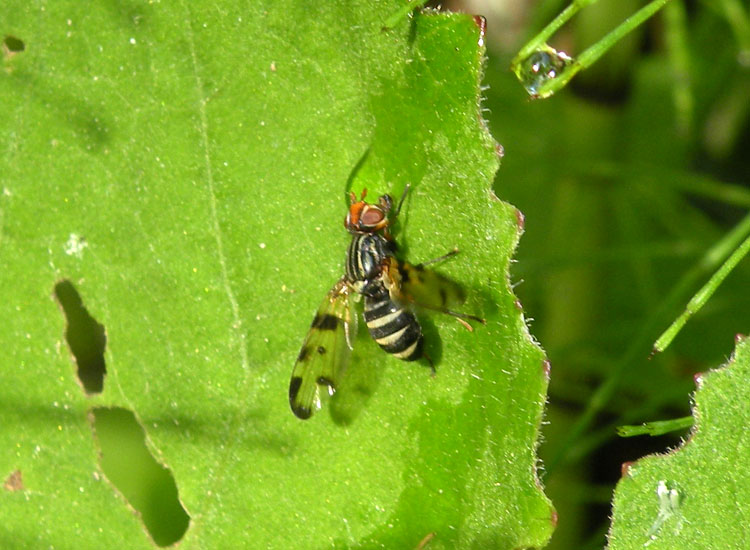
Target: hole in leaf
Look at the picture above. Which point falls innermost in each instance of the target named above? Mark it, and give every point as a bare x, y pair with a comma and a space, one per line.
12, 46
148, 486
85, 336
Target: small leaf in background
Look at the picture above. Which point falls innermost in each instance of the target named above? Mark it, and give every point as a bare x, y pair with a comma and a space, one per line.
695, 496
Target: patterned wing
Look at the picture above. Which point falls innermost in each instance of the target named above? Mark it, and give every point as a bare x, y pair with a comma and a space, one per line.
325, 352
415, 284
422, 286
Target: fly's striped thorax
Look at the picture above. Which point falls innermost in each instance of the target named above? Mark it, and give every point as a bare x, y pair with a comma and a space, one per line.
364, 258
394, 328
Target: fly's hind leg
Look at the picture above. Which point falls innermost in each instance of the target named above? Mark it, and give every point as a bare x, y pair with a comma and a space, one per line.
440, 258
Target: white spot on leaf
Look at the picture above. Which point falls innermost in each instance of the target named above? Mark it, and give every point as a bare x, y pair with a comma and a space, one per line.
75, 246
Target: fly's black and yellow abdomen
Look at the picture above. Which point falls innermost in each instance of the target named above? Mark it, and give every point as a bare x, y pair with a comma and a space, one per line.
394, 328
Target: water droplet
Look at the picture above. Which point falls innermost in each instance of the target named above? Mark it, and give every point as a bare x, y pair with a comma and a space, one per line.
541, 66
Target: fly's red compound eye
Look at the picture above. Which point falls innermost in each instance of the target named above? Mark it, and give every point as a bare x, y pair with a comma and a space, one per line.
365, 217
372, 216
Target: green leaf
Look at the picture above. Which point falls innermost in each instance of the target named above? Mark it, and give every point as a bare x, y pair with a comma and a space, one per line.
695, 496
184, 166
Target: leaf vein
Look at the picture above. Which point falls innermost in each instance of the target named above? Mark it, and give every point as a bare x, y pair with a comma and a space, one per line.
236, 326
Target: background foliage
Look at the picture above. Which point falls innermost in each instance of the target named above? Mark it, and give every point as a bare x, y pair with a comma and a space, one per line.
626, 179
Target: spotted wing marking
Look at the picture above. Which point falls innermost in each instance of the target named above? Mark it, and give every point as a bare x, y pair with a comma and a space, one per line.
325, 353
